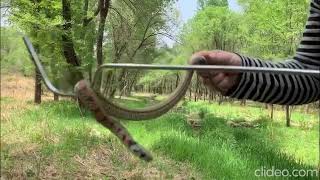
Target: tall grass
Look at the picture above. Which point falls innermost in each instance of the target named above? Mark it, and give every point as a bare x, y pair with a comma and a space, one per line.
57, 134
223, 152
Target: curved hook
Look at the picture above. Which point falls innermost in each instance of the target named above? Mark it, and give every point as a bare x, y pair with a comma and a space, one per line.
40, 68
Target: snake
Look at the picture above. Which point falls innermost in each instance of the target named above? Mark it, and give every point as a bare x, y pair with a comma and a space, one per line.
89, 98
105, 111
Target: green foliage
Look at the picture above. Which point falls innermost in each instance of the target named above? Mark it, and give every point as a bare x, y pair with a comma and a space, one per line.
265, 29
36, 15
273, 27
42, 21
205, 3
133, 30
14, 56
212, 28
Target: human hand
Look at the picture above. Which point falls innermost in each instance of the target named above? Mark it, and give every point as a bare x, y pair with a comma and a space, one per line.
220, 81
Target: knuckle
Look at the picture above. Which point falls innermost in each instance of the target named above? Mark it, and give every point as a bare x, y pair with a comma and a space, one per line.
197, 59
217, 54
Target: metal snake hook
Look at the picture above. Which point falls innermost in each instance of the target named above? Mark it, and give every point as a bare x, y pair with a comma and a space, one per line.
216, 68
35, 59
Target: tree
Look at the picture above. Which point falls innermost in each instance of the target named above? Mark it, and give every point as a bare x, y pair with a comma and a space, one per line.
273, 27
76, 31
132, 34
14, 56
220, 29
205, 3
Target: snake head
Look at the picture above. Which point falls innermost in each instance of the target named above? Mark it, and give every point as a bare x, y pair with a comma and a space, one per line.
140, 152
81, 85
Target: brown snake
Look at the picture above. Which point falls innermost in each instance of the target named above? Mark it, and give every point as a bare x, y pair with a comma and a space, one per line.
104, 110
150, 112
88, 97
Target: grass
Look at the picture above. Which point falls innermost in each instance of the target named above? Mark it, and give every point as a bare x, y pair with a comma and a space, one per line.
220, 151
52, 140
54, 137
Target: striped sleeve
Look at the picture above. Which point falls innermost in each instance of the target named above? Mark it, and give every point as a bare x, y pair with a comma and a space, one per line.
286, 89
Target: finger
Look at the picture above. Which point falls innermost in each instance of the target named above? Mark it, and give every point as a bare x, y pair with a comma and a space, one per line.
223, 58
224, 85
228, 83
219, 58
208, 83
207, 74
198, 59
204, 74
216, 80
214, 74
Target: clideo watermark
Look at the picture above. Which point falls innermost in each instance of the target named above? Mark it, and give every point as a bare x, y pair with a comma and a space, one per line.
274, 172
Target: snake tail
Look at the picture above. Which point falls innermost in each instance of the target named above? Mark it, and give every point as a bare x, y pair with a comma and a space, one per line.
90, 99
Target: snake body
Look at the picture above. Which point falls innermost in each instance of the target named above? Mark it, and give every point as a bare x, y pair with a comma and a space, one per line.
151, 112
88, 97
105, 110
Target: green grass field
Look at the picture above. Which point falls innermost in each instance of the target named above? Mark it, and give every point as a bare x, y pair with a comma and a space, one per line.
52, 140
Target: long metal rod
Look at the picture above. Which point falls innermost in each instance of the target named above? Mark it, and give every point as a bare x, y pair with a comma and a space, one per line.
40, 68
52, 88
214, 68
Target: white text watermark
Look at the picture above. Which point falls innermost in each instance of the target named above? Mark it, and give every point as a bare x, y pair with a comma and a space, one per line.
274, 172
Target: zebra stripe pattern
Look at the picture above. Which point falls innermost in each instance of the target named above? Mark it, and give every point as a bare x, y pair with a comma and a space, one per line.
286, 89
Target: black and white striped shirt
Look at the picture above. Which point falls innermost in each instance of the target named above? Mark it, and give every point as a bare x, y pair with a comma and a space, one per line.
286, 89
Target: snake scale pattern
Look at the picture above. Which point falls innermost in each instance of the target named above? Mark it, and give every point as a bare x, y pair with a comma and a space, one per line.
88, 97
105, 112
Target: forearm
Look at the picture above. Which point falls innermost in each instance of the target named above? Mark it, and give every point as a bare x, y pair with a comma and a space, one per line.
276, 88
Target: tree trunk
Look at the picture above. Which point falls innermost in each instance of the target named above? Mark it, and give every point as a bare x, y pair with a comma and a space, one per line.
37, 90
271, 113
67, 43
37, 87
196, 90
220, 99
288, 115
243, 102
55, 97
177, 80
104, 8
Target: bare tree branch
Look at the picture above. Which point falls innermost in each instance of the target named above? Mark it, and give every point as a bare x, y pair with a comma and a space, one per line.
86, 19
5, 6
